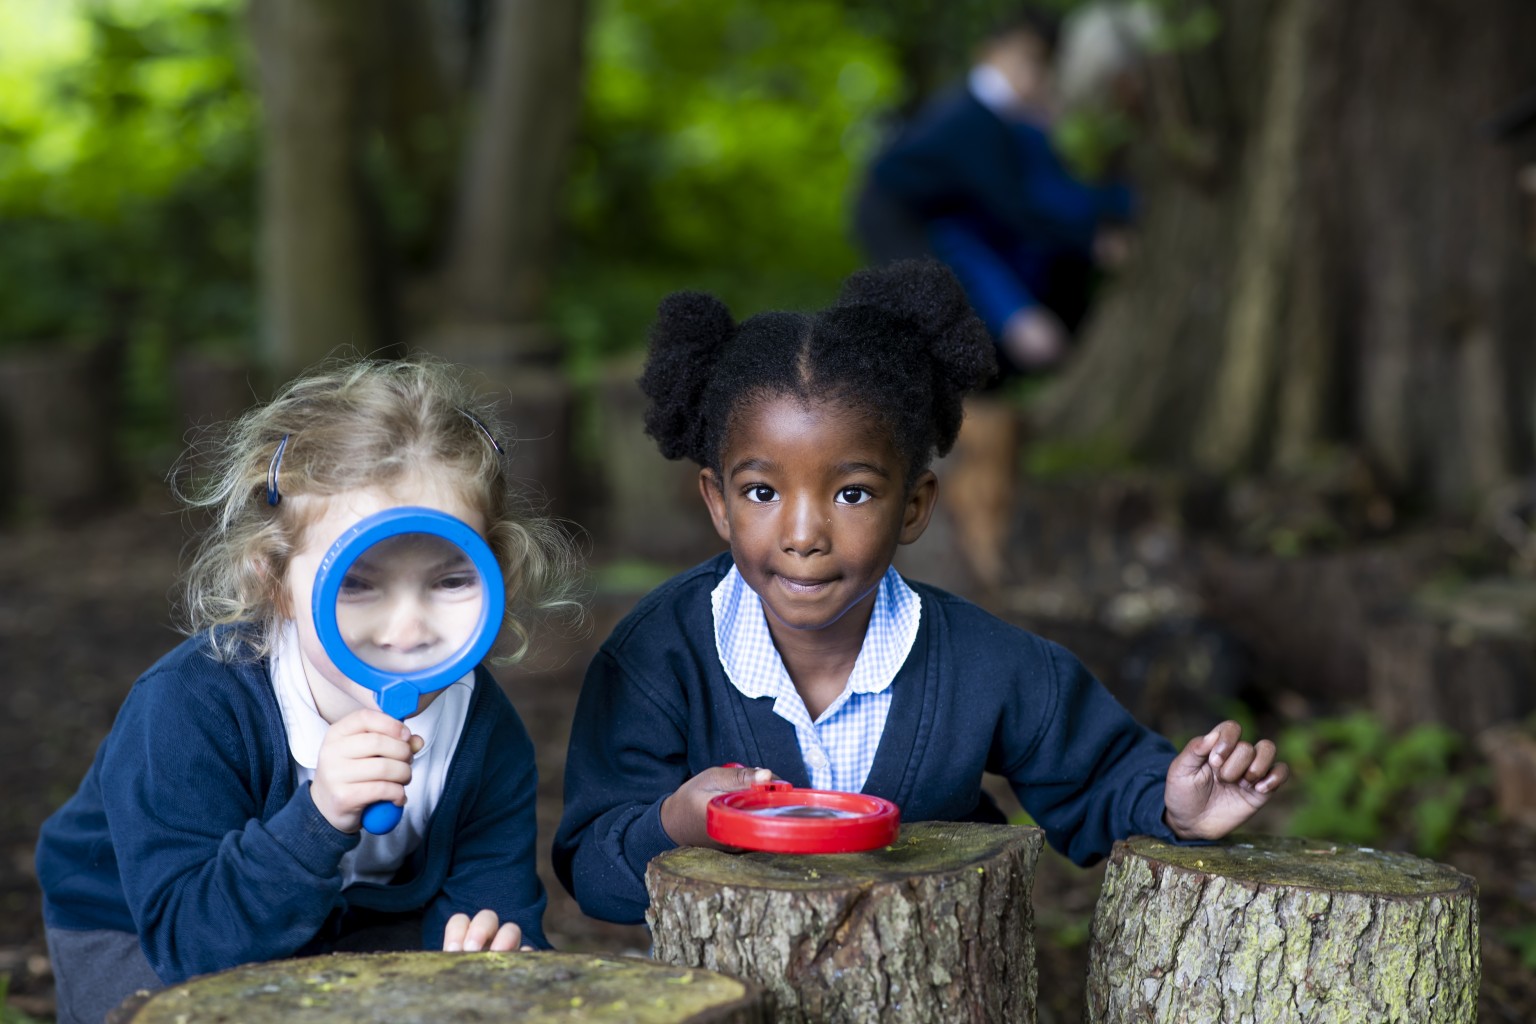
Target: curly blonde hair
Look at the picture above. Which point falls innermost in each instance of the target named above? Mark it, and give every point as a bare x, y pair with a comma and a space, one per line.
355, 424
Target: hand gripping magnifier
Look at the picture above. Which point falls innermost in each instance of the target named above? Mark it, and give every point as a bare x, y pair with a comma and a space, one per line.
406, 602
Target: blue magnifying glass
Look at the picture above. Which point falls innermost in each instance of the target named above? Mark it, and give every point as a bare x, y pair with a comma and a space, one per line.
406, 602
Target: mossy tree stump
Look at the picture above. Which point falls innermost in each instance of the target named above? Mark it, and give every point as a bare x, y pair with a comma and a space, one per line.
403, 988
1270, 930
937, 926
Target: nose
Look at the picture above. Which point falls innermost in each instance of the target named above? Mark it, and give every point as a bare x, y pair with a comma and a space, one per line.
806, 526
405, 626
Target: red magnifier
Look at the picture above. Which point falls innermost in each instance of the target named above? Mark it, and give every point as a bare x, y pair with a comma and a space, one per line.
775, 817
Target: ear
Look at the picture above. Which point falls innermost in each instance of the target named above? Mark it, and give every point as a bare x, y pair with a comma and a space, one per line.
714, 498
919, 509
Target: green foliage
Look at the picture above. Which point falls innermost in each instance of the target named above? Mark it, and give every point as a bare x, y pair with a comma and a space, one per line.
1522, 939
1055, 460
719, 145
128, 184
631, 576
8, 1013
127, 188
1360, 784
1090, 139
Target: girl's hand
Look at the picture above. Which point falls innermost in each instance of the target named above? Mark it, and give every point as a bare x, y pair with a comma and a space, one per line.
684, 813
472, 936
1217, 782
365, 758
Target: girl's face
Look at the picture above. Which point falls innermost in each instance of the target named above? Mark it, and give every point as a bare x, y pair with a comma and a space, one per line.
405, 604
813, 502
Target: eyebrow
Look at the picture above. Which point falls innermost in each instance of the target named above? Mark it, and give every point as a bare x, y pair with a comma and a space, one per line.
754, 464
363, 564
844, 468
761, 465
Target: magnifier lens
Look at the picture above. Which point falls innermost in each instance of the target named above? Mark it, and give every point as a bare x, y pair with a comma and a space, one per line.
409, 603
801, 811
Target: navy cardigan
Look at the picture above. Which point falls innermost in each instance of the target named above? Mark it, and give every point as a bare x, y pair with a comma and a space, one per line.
974, 695
189, 831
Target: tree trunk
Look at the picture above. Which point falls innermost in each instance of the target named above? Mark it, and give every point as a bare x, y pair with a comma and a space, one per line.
501, 250
56, 430
1456, 655
937, 926
529, 988
315, 264
1353, 272
1272, 930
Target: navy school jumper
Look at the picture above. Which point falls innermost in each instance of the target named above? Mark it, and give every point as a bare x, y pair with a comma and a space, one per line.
974, 695
189, 831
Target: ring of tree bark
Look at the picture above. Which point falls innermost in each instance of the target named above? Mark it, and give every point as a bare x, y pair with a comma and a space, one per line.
937, 926
1269, 930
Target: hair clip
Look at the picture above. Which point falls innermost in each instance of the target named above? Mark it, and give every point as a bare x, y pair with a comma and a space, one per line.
277, 461
483, 429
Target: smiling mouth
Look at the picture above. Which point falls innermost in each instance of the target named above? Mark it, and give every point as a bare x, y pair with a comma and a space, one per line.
802, 586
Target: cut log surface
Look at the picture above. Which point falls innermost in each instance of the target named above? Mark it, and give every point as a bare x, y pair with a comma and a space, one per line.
404, 988
938, 926
1267, 930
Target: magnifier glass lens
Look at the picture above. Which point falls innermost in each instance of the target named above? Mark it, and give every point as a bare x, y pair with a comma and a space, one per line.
409, 602
801, 811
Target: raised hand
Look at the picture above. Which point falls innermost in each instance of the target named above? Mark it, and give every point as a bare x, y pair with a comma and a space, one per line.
484, 931
684, 813
365, 758
1218, 781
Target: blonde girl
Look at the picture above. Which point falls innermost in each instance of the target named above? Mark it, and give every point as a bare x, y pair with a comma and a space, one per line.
219, 823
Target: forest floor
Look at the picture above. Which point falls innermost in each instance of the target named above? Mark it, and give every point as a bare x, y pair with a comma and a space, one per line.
85, 608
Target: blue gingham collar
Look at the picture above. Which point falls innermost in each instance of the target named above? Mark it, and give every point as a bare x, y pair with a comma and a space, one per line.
754, 667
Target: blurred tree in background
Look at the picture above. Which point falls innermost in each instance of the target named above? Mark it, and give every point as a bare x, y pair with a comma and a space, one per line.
1335, 256
127, 198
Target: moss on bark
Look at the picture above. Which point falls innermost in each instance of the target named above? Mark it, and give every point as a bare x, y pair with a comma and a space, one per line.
937, 926
1269, 930
406, 988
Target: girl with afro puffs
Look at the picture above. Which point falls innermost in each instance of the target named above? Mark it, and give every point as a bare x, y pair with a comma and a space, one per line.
803, 651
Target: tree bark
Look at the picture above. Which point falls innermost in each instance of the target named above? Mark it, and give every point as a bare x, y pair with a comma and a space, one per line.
1349, 269
529, 988
937, 926
498, 269
315, 262
1271, 930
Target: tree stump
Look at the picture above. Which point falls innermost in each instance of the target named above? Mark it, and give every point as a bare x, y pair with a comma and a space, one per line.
937, 926
1268, 930
399, 988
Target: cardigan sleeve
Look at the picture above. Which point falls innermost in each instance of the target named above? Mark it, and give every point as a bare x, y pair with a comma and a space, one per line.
208, 884
628, 753
1082, 767
495, 841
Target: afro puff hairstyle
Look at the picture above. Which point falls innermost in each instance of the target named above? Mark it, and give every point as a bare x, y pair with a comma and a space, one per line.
901, 344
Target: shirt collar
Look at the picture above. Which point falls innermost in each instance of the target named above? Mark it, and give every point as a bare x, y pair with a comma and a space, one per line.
992, 90
753, 664
306, 728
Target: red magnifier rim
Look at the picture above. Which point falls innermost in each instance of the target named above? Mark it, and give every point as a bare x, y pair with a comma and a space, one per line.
729, 819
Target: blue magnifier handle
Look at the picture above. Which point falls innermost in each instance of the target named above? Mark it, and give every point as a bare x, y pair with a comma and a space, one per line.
399, 694
381, 817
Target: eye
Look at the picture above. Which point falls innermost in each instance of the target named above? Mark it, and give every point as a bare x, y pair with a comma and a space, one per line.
459, 582
759, 493
853, 496
354, 586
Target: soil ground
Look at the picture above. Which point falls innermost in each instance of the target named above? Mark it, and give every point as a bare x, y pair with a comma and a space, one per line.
84, 609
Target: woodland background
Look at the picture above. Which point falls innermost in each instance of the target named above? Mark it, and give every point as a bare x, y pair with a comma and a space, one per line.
1289, 474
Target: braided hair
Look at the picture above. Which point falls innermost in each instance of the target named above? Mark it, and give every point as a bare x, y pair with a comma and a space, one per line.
900, 344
